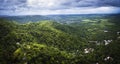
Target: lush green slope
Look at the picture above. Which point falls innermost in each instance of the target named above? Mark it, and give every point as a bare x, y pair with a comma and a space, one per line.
44, 33
48, 42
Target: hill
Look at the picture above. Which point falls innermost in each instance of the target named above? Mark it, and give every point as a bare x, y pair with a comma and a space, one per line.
89, 41
59, 18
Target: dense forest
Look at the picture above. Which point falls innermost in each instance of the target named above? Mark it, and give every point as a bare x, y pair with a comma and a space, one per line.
74, 40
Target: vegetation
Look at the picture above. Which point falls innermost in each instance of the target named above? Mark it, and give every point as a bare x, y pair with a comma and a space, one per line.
92, 40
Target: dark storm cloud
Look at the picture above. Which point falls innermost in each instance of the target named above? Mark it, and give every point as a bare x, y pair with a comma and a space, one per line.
93, 3
109, 3
11, 4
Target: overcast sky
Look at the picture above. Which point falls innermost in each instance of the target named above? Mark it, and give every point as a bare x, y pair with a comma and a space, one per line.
46, 7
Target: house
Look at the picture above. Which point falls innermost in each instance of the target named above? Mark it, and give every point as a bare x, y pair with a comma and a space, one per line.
106, 42
88, 50
118, 33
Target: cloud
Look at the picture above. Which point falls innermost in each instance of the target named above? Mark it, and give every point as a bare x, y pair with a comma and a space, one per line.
46, 4
98, 3
82, 10
61, 6
11, 5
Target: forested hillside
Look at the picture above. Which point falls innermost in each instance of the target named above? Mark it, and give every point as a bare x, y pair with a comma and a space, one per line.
87, 41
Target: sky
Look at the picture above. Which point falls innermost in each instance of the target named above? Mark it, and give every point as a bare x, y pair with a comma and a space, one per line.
50, 7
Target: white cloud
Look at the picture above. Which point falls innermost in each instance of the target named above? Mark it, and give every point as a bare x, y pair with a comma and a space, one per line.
82, 10
46, 4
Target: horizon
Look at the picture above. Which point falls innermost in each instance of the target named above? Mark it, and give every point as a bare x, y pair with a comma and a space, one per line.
60, 14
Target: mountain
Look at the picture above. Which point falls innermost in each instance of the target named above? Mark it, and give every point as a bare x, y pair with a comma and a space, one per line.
58, 18
93, 39
25, 19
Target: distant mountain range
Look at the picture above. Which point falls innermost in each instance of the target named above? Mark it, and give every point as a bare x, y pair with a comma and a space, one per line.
58, 18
